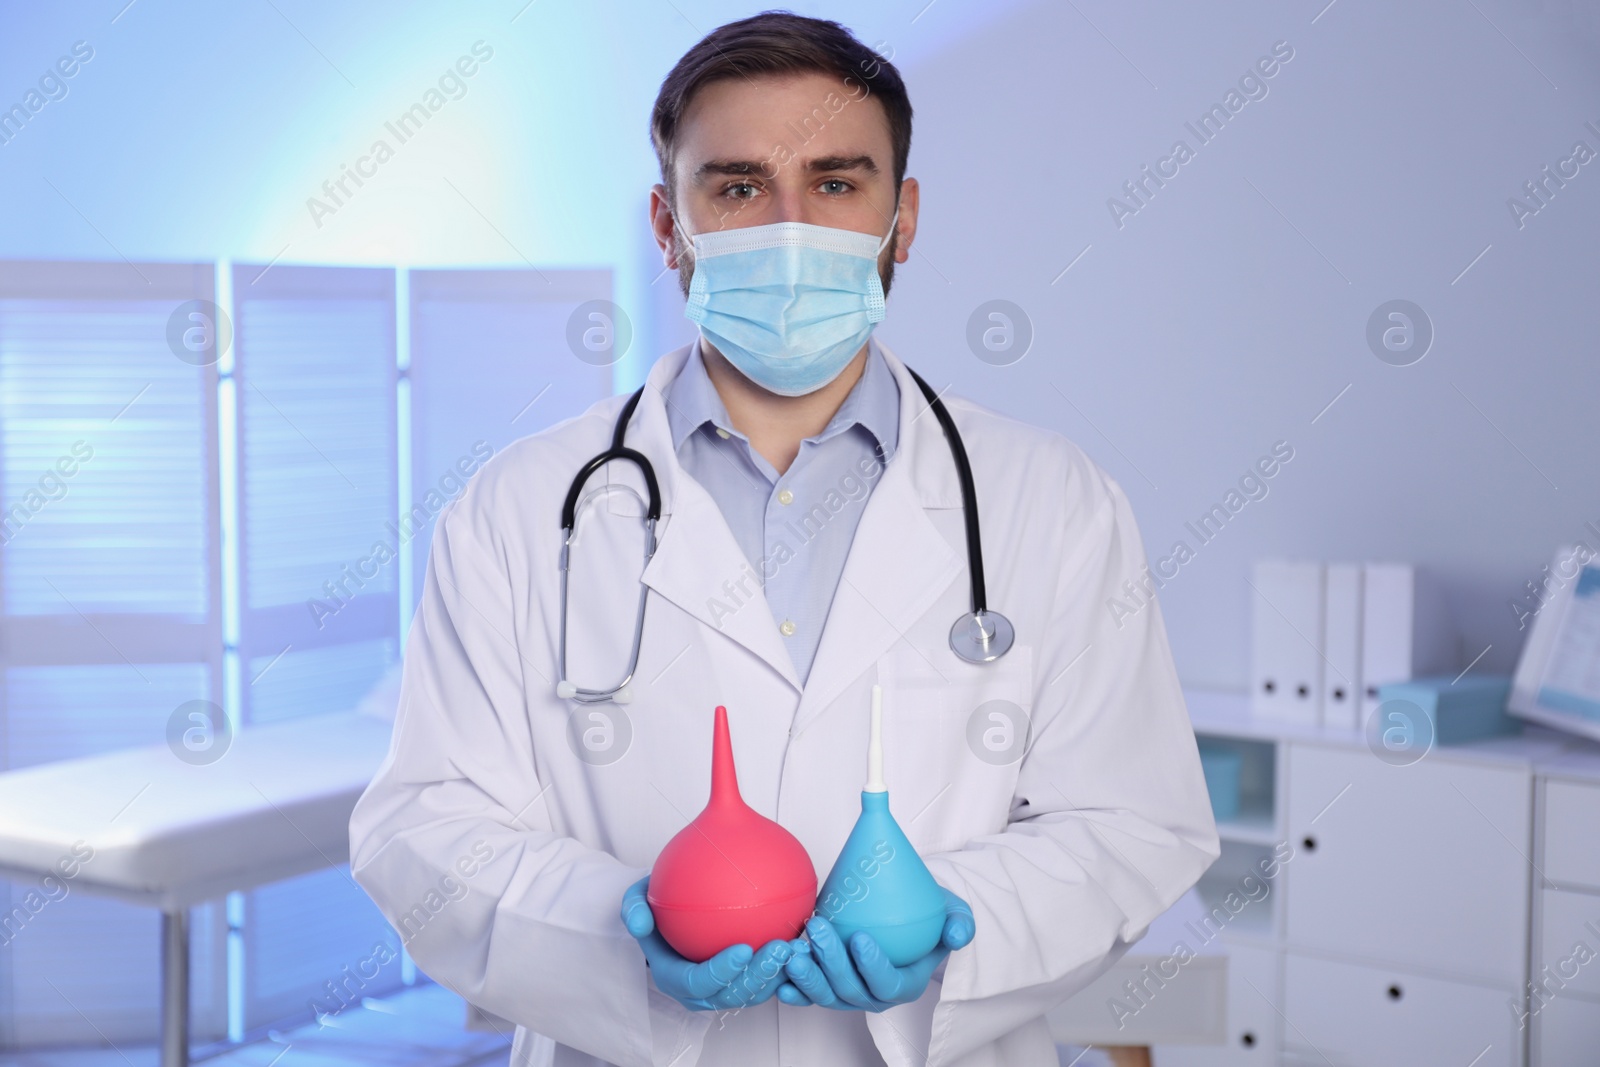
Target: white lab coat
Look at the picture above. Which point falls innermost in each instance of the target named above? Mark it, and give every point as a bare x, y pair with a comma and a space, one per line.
503, 856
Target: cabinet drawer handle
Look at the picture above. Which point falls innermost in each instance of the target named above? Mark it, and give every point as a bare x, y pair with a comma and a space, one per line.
1395, 992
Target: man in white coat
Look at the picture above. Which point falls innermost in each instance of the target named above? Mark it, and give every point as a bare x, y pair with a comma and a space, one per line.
811, 544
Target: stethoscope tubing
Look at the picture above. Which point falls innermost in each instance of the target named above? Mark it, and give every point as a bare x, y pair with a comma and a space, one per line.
969, 493
987, 636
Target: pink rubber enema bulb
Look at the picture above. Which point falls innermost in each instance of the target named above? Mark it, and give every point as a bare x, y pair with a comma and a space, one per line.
732, 876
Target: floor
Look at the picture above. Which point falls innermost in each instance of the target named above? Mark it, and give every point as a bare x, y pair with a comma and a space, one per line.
420, 1027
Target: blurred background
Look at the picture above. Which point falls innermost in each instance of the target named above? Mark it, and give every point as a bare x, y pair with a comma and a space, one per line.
260, 369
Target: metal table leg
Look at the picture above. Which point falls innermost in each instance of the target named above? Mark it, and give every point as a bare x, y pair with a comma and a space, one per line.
175, 988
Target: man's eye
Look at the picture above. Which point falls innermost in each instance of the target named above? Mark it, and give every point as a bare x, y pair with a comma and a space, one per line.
741, 190
835, 186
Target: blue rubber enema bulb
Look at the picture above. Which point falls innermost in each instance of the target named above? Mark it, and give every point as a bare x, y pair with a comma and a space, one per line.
879, 884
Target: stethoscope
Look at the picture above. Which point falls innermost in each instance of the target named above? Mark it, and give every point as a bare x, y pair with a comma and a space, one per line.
978, 636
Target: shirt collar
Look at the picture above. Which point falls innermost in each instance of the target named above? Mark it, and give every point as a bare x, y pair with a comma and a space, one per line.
873, 403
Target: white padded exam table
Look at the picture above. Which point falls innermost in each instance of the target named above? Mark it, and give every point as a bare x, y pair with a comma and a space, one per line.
170, 835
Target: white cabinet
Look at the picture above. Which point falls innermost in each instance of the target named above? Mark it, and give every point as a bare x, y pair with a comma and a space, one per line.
1406, 909
1569, 944
1452, 882
1254, 1000
1566, 1033
1357, 1016
1564, 1005
1572, 834
1424, 865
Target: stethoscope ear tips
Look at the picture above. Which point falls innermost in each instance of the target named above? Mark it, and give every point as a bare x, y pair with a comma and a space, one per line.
566, 690
624, 695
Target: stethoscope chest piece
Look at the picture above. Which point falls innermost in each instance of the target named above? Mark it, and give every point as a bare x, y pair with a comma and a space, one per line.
982, 636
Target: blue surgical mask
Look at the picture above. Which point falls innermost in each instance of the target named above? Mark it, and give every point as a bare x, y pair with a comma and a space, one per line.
789, 304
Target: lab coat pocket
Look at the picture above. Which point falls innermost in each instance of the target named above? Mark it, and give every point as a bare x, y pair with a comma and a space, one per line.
954, 735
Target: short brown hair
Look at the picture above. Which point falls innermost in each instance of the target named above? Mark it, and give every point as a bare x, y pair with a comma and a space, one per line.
779, 42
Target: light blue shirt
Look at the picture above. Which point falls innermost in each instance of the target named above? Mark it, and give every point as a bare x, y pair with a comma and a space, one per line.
796, 528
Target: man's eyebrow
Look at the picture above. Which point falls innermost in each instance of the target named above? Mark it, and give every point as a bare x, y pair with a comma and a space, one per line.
728, 166
746, 167
827, 163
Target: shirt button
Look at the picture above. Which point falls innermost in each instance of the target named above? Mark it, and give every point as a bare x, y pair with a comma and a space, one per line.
787, 629
724, 434
785, 497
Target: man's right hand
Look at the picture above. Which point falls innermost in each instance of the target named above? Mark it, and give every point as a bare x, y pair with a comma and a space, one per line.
736, 977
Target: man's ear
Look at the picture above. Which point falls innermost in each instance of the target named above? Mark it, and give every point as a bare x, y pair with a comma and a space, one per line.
664, 225
910, 202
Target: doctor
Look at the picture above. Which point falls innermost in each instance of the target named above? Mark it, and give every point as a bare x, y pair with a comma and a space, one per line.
811, 544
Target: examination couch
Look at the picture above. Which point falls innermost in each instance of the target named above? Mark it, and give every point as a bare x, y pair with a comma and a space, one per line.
169, 834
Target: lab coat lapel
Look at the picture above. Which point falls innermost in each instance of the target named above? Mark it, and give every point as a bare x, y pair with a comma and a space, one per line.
899, 562
698, 565
701, 569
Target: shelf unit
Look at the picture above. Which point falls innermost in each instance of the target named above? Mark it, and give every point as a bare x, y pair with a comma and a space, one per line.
1564, 1006
1403, 908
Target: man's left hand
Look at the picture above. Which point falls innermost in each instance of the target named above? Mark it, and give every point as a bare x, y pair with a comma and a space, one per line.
860, 978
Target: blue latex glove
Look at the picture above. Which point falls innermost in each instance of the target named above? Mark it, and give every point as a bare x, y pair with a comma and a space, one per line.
862, 978
736, 977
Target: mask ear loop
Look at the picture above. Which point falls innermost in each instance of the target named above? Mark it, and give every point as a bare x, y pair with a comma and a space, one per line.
696, 297
890, 235
695, 308
876, 308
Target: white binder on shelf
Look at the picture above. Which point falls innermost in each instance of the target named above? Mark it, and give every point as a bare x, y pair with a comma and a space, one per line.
1342, 692
1406, 629
1287, 640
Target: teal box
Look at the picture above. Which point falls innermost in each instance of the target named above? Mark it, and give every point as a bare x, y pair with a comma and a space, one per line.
1221, 767
1459, 710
